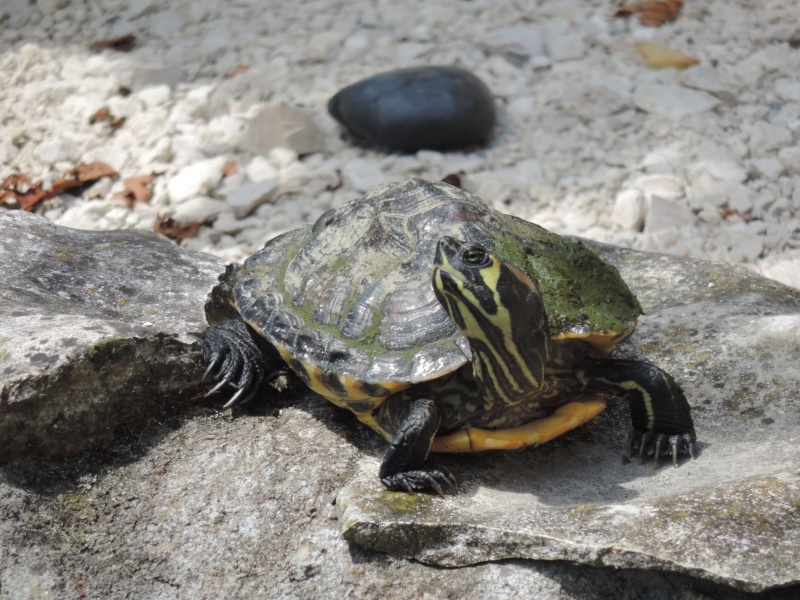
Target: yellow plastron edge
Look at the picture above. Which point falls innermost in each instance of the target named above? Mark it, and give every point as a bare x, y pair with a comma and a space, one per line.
534, 433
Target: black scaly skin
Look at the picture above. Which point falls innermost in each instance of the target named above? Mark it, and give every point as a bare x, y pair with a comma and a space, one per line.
238, 357
404, 467
662, 420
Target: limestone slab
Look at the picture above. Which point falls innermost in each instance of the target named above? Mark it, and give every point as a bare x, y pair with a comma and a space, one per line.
92, 332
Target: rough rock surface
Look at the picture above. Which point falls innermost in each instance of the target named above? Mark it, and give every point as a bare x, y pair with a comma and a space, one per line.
732, 340
202, 506
212, 508
93, 333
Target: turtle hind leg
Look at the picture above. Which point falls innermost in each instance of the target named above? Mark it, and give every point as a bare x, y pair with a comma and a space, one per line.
661, 416
237, 356
404, 465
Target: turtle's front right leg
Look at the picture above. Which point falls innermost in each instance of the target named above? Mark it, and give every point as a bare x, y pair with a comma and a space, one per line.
660, 413
404, 465
237, 356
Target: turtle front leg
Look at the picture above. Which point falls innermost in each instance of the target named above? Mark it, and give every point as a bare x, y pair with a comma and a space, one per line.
237, 356
403, 467
662, 419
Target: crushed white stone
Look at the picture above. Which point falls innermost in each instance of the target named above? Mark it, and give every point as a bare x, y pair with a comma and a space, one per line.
590, 141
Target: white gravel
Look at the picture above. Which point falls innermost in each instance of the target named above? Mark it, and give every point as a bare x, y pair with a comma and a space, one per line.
591, 141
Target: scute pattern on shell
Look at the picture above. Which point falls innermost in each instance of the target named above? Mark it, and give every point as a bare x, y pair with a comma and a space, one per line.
352, 294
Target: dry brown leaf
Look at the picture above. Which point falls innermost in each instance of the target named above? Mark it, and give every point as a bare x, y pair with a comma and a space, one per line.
237, 70
104, 116
746, 217
62, 184
229, 168
659, 56
28, 194
122, 43
652, 13
454, 179
23, 191
168, 227
137, 189
90, 172
81, 176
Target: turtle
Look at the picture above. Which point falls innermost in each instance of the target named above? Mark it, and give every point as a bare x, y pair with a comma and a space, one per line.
445, 326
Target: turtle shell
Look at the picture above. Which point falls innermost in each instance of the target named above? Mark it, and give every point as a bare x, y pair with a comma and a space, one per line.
349, 303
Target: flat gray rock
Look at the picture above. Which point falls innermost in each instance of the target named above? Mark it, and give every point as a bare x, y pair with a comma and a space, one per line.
92, 332
732, 339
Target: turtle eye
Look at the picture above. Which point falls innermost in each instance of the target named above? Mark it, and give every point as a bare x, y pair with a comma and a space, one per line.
475, 255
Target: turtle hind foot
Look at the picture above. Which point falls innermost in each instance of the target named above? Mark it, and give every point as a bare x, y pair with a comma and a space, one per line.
429, 477
659, 444
234, 357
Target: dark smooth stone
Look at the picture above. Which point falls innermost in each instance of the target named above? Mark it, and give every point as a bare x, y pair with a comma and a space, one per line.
437, 108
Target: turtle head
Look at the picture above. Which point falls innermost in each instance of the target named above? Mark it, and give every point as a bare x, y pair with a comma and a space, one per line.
499, 309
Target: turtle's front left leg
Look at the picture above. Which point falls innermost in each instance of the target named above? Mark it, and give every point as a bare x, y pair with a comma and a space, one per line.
662, 419
404, 467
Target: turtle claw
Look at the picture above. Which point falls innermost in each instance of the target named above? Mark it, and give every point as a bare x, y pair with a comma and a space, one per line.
673, 445
644, 442
243, 396
431, 477
659, 444
221, 384
233, 357
660, 439
212, 366
689, 442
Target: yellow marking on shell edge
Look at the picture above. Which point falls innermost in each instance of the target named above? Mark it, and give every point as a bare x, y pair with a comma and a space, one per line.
351, 385
566, 417
602, 342
368, 420
353, 388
